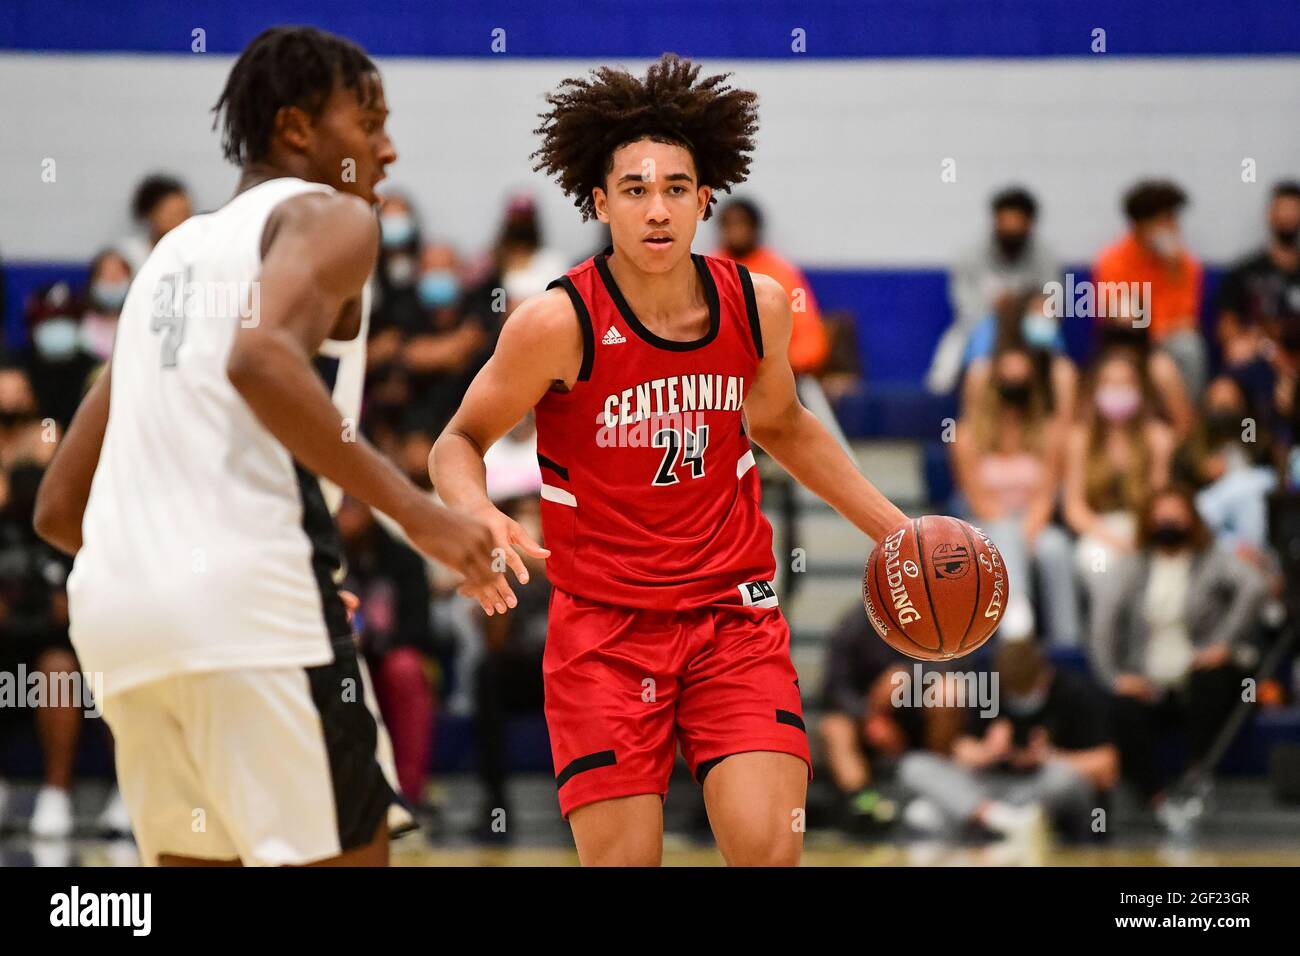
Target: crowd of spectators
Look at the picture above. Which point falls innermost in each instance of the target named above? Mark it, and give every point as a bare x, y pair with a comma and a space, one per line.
1127, 493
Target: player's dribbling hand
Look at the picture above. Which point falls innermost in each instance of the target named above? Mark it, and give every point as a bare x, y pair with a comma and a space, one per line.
508, 538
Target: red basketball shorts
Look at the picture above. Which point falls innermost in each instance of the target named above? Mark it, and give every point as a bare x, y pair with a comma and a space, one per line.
625, 686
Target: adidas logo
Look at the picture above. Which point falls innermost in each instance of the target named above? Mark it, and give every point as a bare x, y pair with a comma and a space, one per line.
613, 337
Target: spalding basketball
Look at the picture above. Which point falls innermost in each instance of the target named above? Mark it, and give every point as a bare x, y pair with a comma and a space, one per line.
935, 588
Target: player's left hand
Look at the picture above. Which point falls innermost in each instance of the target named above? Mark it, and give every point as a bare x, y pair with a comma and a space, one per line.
350, 603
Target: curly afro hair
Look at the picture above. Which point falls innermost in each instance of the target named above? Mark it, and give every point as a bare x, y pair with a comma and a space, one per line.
591, 117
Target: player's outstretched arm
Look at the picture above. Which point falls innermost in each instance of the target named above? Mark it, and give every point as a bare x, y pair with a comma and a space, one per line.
65, 487
316, 260
791, 434
540, 346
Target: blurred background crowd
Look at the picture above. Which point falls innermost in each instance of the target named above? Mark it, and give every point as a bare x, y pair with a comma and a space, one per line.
1138, 475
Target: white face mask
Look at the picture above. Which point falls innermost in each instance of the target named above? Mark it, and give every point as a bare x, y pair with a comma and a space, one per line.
1165, 243
56, 339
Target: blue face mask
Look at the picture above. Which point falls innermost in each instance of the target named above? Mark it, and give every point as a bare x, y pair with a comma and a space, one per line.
396, 230
1039, 330
438, 288
108, 296
56, 339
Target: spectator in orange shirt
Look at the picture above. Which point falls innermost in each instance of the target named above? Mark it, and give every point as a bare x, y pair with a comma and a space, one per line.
741, 229
1153, 252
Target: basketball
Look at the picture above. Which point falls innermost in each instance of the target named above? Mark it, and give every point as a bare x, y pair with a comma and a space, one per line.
935, 588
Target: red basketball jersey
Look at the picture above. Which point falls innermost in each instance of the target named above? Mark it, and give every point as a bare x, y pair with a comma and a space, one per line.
650, 498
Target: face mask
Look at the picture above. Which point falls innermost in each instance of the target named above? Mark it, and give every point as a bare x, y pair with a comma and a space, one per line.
1220, 426
1171, 535
396, 230
1164, 242
438, 288
108, 296
401, 270
1039, 330
1118, 403
56, 339
1015, 393
1286, 237
1023, 704
1011, 243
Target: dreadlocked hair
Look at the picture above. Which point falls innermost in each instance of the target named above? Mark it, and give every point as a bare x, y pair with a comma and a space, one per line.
285, 66
591, 117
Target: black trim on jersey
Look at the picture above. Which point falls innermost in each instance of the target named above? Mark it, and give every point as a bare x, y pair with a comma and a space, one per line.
362, 794
625, 310
751, 307
584, 321
326, 551
553, 466
603, 758
327, 367
791, 718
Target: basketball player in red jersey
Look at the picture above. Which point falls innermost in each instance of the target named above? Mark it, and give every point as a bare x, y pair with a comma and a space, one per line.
651, 370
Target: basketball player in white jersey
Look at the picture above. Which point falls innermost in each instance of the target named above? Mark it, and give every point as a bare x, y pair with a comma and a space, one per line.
187, 487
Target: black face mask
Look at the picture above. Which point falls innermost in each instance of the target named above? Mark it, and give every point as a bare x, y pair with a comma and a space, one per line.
1170, 535
1286, 237
1015, 393
1222, 425
1011, 243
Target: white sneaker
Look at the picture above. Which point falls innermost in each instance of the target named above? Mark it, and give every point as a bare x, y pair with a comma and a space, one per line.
52, 815
114, 819
1021, 824
924, 815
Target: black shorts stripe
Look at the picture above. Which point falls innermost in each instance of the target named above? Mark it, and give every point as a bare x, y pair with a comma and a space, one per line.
326, 551
791, 718
584, 320
362, 794
751, 307
550, 465
602, 758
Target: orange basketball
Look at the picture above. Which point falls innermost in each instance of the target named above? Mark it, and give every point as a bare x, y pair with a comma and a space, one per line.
935, 588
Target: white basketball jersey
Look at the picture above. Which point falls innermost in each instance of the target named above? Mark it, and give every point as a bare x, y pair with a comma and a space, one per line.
206, 546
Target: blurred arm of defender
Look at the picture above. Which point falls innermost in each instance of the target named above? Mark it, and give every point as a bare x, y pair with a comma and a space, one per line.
791, 434
317, 253
540, 347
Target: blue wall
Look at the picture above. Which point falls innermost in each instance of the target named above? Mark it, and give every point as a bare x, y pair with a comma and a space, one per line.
722, 28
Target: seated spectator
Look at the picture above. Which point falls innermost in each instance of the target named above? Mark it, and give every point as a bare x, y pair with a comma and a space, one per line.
508, 676
740, 227
1022, 321
1007, 461
525, 264
159, 205
1115, 458
110, 278
1011, 263
1187, 603
393, 626
34, 639
57, 361
1170, 398
1259, 303
508, 680
444, 352
862, 731
1153, 252
1047, 756
1228, 461
23, 436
